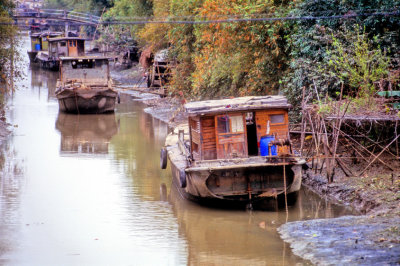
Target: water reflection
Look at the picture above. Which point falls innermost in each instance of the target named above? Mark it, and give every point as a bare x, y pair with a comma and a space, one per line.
11, 183
86, 134
44, 79
223, 237
136, 147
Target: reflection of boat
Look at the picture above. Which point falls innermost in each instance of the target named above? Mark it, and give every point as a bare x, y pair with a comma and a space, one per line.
85, 85
238, 152
86, 134
224, 237
221, 237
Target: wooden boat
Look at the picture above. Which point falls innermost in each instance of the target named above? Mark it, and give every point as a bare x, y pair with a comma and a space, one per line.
60, 47
39, 42
85, 86
235, 152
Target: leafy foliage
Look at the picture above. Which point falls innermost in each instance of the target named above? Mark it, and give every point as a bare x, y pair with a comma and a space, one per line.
250, 58
122, 37
357, 64
229, 58
9, 70
311, 40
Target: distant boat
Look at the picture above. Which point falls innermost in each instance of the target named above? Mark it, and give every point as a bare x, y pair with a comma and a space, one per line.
85, 86
235, 152
60, 47
39, 43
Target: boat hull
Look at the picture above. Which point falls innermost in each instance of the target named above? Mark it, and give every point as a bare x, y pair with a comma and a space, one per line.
32, 56
237, 186
86, 101
46, 62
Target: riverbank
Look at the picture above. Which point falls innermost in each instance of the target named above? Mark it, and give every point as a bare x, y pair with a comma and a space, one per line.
4, 130
369, 239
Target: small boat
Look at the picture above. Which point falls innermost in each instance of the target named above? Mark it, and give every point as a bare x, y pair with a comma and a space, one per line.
39, 43
235, 152
85, 86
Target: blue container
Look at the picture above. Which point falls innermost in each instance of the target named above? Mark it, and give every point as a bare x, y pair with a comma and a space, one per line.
37, 47
264, 141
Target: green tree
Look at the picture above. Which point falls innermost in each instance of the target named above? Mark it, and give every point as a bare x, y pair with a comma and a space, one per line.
358, 64
9, 70
310, 41
121, 37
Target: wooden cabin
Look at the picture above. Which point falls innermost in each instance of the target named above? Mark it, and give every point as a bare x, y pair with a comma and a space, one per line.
66, 47
233, 128
89, 70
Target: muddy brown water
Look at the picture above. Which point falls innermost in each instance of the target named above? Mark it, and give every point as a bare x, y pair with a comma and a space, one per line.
88, 190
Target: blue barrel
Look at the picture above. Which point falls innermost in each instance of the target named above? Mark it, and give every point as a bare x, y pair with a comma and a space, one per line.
264, 141
37, 47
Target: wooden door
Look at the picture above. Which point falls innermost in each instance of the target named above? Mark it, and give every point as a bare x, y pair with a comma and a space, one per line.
72, 48
231, 136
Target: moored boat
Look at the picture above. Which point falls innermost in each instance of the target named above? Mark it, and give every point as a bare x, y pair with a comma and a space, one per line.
235, 152
85, 86
39, 43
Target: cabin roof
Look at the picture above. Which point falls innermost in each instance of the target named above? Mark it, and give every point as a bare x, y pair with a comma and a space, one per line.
58, 39
237, 104
72, 58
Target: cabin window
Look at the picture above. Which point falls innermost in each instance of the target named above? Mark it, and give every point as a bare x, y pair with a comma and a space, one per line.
277, 119
72, 43
63, 44
223, 124
230, 124
237, 123
82, 64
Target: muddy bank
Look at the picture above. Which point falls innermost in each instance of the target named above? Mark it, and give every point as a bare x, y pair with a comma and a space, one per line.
349, 240
371, 239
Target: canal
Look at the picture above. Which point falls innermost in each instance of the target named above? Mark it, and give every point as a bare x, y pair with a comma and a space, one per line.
88, 190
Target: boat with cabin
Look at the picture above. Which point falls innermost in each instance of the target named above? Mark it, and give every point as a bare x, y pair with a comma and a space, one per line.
85, 85
60, 47
39, 42
235, 152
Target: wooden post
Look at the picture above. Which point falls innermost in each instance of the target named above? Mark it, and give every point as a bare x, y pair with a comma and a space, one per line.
303, 128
